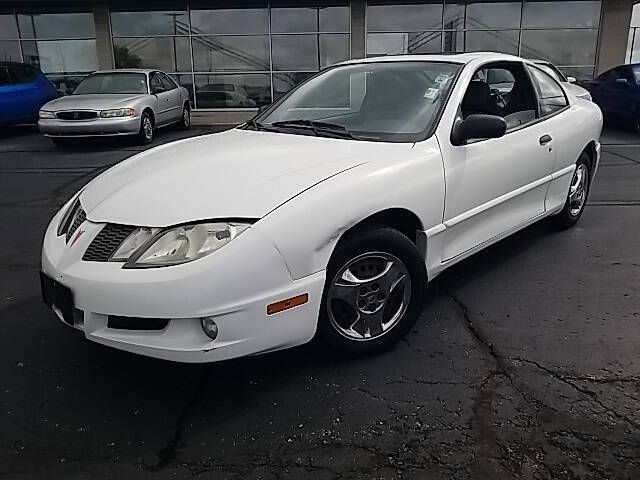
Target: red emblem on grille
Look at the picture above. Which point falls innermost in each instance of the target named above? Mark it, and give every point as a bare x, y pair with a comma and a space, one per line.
75, 239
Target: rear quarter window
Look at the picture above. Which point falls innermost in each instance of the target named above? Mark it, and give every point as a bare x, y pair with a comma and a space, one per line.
23, 74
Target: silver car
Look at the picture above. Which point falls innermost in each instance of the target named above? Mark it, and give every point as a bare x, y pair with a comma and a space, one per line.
117, 102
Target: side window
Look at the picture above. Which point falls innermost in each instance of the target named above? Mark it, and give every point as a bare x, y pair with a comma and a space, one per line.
21, 74
550, 94
4, 77
155, 83
167, 82
501, 89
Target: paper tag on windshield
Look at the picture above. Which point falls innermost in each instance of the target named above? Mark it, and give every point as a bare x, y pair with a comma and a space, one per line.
431, 93
442, 79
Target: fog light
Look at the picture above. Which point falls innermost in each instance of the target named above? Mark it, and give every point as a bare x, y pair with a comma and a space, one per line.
209, 326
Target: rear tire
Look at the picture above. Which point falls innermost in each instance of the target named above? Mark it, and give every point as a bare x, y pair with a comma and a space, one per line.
576, 196
373, 292
145, 135
185, 120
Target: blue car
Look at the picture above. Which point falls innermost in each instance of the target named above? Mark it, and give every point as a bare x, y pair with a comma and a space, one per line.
617, 93
23, 90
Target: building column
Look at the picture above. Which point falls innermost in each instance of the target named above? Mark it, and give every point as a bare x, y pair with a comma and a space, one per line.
614, 33
358, 28
104, 45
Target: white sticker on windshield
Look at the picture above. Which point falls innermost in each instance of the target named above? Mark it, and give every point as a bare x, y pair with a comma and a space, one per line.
431, 93
442, 79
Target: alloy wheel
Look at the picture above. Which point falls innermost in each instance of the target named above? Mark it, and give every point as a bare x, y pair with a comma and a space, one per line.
578, 190
368, 296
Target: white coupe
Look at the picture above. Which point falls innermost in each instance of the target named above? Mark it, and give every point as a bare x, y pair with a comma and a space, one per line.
326, 215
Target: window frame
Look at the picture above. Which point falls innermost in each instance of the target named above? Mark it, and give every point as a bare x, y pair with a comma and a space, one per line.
527, 75
529, 68
172, 85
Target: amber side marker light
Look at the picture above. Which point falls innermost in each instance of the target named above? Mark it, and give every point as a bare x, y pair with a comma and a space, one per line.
287, 304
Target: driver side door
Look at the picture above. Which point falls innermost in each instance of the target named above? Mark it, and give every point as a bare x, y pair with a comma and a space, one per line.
494, 186
164, 108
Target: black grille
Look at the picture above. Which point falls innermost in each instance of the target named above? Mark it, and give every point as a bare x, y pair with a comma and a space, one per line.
78, 218
106, 242
136, 323
79, 115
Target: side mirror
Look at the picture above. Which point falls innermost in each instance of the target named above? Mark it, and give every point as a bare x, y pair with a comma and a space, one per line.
478, 126
571, 79
156, 90
622, 81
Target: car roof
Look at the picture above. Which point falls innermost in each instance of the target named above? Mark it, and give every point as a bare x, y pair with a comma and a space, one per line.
15, 64
129, 70
462, 58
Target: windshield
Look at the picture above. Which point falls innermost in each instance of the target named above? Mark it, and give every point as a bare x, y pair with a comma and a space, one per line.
389, 101
129, 83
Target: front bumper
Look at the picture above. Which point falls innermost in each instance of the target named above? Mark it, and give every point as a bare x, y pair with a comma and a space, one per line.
233, 286
56, 127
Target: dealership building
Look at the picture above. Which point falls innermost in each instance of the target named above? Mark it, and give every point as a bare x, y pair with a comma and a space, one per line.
235, 56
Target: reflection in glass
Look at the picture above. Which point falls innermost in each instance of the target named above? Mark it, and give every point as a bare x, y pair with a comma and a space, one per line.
561, 47
149, 23
61, 56
401, 43
453, 41
294, 20
56, 25
546, 14
334, 19
283, 82
230, 53
233, 91
390, 18
66, 84
8, 26
10, 51
170, 54
334, 48
295, 52
505, 41
185, 81
230, 20
482, 16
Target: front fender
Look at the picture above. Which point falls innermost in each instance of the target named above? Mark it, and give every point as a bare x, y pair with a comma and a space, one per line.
307, 228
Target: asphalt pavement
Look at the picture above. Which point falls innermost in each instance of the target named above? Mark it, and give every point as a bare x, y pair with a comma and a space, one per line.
524, 363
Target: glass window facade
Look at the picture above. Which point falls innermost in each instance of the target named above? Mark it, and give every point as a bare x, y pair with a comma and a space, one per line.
563, 32
61, 43
230, 55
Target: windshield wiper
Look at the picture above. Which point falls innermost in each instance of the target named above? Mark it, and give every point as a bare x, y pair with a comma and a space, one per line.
259, 126
320, 129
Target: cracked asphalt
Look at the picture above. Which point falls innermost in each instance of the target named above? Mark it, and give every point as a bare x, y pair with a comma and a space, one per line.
524, 363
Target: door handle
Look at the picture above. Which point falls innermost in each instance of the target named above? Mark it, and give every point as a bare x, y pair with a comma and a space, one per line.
545, 139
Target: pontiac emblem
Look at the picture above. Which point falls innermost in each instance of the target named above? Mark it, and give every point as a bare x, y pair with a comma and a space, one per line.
76, 115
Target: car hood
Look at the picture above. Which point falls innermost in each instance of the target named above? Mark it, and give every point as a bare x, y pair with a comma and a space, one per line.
234, 174
92, 102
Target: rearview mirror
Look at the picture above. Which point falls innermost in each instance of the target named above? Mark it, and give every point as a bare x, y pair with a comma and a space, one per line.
478, 126
571, 79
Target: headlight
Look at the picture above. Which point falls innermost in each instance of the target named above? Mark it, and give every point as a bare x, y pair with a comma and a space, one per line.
118, 112
176, 245
46, 114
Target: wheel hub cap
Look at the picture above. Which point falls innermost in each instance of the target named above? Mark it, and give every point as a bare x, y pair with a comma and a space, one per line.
368, 296
578, 190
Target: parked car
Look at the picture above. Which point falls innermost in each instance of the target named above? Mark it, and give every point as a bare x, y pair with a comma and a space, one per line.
117, 102
617, 93
568, 82
23, 90
219, 95
319, 220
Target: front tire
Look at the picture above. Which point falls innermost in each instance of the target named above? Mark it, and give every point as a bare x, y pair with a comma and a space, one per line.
577, 195
145, 135
373, 292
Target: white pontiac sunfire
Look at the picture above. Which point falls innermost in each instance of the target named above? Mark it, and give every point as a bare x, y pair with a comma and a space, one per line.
324, 216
